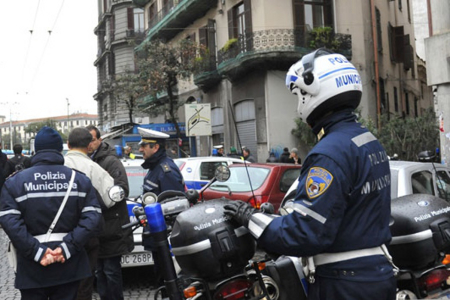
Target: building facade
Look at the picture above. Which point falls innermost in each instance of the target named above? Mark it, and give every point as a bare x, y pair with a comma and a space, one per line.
120, 28
15, 132
252, 44
437, 48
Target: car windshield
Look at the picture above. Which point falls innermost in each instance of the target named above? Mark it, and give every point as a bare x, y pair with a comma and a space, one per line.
239, 180
178, 162
135, 175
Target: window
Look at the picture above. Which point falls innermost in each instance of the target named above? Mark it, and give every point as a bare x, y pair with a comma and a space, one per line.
384, 109
395, 100
409, 11
379, 37
138, 20
152, 13
416, 113
207, 38
311, 14
407, 103
208, 169
135, 19
443, 185
396, 43
239, 180
422, 183
288, 178
240, 24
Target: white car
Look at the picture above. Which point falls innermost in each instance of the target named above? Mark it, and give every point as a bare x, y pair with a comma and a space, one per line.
135, 174
408, 178
198, 171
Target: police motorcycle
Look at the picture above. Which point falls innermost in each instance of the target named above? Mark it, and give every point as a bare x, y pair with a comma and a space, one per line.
216, 256
420, 246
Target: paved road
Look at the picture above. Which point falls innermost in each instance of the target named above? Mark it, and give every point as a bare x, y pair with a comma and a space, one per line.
137, 281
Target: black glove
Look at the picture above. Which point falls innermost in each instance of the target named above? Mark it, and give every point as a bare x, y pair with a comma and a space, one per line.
239, 211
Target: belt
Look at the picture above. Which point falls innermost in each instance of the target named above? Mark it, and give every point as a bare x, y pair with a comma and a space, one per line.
54, 237
328, 258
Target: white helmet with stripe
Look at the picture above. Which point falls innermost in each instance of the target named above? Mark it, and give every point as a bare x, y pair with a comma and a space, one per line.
323, 81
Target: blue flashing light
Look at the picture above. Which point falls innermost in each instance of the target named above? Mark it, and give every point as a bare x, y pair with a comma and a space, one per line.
155, 217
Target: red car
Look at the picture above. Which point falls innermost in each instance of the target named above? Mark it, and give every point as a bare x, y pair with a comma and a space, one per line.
255, 183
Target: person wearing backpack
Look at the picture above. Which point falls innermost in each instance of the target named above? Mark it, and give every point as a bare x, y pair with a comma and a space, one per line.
18, 162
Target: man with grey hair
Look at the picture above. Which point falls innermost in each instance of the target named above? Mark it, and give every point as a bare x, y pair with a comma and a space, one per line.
76, 158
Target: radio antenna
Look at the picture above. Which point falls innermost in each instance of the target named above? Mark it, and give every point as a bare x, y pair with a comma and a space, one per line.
240, 147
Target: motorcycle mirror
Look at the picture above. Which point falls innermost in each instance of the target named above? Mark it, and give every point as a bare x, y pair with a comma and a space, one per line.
267, 208
222, 173
149, 198
426, 156
116, 193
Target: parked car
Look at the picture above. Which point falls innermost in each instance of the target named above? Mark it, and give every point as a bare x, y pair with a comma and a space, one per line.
135, 174
408, 178
255, 183
198, 171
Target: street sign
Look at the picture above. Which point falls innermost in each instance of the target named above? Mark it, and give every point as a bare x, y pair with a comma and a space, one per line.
198, 119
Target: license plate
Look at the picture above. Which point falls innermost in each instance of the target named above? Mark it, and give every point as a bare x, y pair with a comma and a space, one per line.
137, 259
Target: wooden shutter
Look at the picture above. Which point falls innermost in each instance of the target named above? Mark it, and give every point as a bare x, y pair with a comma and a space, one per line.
328, 14
202, 36
399, 43
211, 39
408, 55
299, 22
248, 24
230, 24
130, 18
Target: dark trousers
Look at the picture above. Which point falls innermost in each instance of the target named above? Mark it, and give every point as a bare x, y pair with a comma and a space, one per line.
334, 288
109, 278
66, 291
86, 287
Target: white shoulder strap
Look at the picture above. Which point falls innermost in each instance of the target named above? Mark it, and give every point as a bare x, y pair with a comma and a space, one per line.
58, 214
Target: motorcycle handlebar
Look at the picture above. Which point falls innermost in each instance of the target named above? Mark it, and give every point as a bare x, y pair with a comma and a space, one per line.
134, 223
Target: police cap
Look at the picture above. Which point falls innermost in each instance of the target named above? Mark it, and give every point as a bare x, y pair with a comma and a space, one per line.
149, 136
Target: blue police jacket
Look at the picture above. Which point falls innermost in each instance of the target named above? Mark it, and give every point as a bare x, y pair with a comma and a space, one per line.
163, 174
342, 202
29, 202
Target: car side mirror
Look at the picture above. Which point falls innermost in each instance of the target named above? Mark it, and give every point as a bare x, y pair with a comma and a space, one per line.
116, 193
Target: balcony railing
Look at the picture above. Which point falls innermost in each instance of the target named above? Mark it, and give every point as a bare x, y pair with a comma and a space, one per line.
284, 40
165, 10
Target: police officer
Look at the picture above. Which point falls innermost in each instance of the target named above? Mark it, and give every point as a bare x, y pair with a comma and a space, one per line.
49, 268
339, 221
163, 173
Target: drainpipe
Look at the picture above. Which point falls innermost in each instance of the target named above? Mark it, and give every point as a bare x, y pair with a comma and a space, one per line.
375, 58
430, 19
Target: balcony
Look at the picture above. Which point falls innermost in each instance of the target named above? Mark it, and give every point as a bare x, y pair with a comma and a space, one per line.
176, 16
140, 3
206, 76
275, 49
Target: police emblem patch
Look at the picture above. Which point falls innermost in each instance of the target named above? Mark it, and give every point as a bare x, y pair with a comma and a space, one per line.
317, 182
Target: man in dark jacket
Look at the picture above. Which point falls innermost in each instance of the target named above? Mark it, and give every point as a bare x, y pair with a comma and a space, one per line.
285, 157
114, 241
18, 162
163, 174
49, 267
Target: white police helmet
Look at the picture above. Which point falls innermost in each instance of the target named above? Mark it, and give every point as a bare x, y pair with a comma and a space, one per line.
323, 81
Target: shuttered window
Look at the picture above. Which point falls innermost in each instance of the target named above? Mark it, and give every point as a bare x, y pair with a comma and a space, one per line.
246, 125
